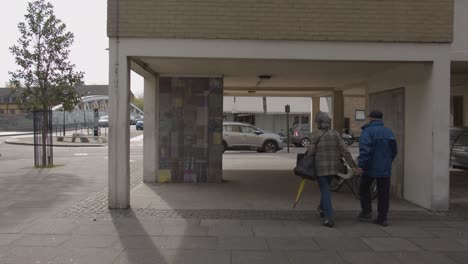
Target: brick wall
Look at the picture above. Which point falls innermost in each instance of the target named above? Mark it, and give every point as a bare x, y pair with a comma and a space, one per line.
336, 20
351, 104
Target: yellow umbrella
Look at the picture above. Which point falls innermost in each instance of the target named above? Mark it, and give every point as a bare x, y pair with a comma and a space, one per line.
299, 192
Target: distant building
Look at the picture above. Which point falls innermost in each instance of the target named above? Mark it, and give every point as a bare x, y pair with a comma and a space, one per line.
272, 116
8, 106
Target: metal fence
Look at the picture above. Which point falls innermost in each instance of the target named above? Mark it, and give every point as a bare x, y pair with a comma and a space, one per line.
43, 144
77, 120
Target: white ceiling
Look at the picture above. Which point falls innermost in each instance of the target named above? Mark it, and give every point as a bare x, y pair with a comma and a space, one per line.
286, 74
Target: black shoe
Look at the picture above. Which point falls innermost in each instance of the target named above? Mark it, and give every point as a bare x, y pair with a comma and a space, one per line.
364, 217
381, 222
328, 223
321, 212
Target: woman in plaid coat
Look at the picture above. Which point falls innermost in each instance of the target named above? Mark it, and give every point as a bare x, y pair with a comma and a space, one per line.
330, 148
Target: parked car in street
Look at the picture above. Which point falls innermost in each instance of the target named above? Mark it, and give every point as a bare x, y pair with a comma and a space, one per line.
132, 120
242, 136
300, 136
139, 117
459, 147
139, 125
103, 121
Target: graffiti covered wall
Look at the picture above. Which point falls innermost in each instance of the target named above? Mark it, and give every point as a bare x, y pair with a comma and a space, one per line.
190, 133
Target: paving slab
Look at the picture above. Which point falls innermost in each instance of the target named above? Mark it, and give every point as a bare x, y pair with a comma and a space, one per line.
259, 257
287, 244
272, 231
184, 230
145, 256
51, 226
93, 241
199, 243
202, 257
306, 257
422, 258
369, 258
405, 231
458, 257
41, 240
23, 254
448, 232
341, 244
439, 244
87, 256
223, 230
360, 229
390, 244
319, 231
6, 239
242, 243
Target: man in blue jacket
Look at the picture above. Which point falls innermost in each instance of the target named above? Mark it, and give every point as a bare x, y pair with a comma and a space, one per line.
377, 150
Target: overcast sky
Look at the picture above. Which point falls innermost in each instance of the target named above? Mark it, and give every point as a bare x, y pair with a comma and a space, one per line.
85, 18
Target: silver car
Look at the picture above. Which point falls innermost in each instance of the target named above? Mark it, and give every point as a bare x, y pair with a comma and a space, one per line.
243, 136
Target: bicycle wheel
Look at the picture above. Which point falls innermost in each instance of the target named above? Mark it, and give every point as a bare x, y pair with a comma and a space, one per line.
336, 183
357, 183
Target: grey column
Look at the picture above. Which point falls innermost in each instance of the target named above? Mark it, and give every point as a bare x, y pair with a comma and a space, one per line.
119, 128
151, 127
338, 111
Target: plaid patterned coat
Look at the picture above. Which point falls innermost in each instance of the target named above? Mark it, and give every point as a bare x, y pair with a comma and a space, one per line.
328, 152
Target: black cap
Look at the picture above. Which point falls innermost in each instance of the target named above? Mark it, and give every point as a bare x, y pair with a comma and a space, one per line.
376, 114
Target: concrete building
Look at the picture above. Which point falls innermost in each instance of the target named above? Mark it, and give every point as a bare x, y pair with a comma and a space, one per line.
269, 114
8, 105
399, 54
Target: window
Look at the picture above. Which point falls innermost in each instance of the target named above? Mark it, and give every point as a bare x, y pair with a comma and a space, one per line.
248, 129
232, 128
12, 111
360, 115
2, 112
1, 100
304, 119
12, 100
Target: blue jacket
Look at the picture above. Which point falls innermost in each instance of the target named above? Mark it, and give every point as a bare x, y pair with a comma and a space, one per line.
377, 149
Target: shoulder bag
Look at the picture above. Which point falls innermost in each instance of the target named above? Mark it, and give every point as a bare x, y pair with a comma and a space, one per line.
305, 164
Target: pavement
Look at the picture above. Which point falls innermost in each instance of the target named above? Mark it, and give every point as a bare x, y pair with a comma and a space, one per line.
60, 215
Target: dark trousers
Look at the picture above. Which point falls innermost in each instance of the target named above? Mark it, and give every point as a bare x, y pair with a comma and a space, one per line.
383, 189
325, 196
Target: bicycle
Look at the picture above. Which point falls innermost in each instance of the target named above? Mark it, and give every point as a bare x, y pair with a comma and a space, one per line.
353, 183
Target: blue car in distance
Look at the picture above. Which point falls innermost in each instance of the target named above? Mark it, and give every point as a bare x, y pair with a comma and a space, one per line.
139, 125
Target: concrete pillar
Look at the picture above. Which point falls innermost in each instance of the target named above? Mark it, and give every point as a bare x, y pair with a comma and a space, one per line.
119, 128
315, 110
426, 151
338, 111
151, 126
440, 94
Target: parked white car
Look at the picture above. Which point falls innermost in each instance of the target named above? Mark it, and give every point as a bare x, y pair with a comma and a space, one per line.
103, 121
243, 136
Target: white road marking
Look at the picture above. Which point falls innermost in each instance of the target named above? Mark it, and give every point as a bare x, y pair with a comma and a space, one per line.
137, 138
81, 154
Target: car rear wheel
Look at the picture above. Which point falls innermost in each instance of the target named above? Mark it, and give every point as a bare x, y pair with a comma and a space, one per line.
270, 147
305, 142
